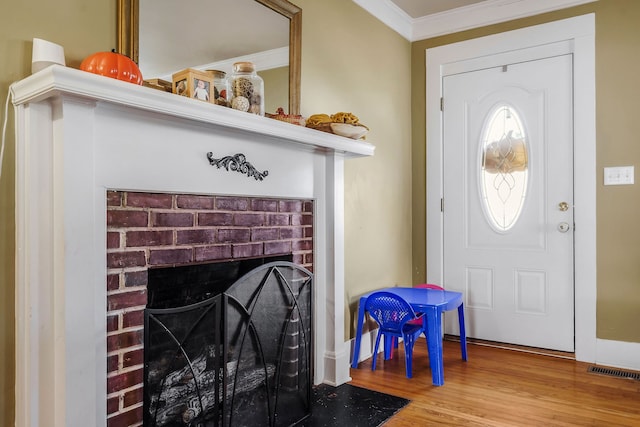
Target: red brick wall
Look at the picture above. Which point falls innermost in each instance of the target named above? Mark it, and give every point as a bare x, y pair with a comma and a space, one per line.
146, 229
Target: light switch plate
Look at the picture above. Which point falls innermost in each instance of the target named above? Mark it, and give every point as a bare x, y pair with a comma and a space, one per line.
620, 175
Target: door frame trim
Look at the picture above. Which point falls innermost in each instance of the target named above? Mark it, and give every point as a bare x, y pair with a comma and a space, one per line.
579, 31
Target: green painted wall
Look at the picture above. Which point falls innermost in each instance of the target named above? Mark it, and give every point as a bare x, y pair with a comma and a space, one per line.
617, 106
276, 89
82, 28
352, 62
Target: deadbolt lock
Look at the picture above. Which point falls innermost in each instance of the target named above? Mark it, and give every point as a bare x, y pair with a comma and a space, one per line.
563, 206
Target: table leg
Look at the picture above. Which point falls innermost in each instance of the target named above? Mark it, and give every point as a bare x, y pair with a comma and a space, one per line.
434, 344
463, 334
356, 346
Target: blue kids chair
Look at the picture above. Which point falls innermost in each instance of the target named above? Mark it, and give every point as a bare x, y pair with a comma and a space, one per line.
418, 319
393, 315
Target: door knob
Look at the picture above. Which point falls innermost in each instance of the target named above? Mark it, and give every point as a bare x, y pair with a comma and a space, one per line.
563, 206
563, 227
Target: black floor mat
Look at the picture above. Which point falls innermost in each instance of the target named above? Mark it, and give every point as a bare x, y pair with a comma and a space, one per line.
347, 405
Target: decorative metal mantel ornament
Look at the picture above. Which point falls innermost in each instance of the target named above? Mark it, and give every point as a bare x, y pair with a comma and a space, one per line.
238, 163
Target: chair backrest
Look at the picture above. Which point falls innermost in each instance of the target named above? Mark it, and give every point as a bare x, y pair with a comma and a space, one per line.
389, 310
429, 286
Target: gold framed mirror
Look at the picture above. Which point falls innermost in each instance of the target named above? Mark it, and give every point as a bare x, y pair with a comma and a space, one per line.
129, 36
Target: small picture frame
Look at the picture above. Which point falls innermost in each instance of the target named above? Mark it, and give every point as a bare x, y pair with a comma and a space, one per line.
193, 84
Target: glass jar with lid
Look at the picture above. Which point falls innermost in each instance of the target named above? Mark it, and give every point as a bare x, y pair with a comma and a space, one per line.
220, 88
247, 88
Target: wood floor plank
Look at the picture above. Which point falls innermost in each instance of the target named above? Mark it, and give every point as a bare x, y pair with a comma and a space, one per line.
502, 387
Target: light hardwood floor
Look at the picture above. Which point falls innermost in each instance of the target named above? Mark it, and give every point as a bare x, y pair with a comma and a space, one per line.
502, 387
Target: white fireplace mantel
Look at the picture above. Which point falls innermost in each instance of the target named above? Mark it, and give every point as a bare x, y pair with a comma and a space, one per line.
78, 135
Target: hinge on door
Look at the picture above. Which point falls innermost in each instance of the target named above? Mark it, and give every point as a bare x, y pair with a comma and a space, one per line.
441, 104
441, 205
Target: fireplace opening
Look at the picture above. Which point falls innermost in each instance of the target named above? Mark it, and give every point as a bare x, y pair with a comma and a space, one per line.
147, 232
182, 285
229, 354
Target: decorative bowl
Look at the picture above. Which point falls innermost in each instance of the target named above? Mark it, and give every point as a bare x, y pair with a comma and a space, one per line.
348, 130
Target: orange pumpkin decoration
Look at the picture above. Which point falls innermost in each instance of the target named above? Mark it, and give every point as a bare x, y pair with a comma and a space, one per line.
114, 65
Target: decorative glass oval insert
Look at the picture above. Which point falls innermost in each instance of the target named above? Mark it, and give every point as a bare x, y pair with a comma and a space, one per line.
504, 167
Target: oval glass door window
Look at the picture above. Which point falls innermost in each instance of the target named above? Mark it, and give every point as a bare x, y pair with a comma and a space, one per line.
505, 167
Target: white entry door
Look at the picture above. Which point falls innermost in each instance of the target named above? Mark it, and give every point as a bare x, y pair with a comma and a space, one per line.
508, 201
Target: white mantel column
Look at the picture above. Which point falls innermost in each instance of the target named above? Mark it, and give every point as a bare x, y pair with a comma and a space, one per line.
337, 352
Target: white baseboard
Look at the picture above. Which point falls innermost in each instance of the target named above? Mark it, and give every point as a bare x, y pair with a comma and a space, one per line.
616, 354
336, 367
366, 346
619, 354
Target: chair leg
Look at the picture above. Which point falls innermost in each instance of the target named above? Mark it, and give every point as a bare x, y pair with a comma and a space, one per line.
388, 346
375, 350
394, 345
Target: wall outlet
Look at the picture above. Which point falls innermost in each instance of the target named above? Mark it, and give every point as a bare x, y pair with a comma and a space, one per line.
620, 175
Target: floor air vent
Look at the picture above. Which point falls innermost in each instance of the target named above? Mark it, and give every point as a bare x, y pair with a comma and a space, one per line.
614, 372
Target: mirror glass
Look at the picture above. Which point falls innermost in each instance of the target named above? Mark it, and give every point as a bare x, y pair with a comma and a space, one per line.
166, 36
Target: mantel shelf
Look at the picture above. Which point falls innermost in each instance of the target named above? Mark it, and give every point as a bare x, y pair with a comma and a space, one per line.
57, 80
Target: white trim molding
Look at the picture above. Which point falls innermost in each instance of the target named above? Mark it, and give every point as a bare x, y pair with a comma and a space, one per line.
477, 15
390, 15
579, 32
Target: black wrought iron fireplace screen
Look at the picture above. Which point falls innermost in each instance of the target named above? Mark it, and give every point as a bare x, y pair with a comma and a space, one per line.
239, 358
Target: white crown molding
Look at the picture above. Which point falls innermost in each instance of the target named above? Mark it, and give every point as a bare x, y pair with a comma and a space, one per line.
463, 18
266, 60
390, 14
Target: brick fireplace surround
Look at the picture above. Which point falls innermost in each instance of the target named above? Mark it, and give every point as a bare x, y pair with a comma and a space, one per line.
151, 230
78, 137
